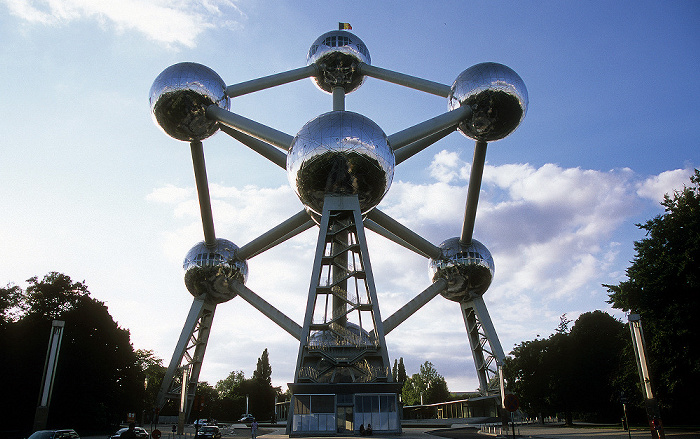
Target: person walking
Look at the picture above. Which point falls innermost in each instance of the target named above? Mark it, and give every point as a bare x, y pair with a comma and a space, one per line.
254, 429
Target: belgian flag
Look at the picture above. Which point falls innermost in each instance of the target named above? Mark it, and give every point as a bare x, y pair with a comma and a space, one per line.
343, 26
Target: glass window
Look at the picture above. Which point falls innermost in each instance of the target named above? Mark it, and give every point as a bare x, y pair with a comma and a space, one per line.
323, 404
302, 404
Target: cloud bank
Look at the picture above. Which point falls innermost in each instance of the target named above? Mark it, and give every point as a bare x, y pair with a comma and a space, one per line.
171, 23
555, 234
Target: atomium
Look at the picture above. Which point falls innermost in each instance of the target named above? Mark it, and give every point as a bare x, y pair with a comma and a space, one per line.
468, 269
179, 98
210, 269
344, 160
340, 153
497, 97
337, 55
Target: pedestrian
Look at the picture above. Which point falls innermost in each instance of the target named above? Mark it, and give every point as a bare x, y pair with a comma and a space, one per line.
254, 429
362, 429
129, 433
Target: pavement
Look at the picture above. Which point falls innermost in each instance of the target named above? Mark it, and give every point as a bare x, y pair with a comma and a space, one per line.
530, 431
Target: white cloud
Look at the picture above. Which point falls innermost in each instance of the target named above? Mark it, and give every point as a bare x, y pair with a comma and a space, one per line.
656, 186
178, 23
551, 231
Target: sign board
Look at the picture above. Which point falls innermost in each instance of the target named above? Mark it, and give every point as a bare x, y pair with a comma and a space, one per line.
511, 402
155, 434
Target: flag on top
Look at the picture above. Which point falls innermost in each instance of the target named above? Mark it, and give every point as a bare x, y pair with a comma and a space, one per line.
342, 26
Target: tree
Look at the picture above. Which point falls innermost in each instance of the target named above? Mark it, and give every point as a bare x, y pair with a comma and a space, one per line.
153, 371
401, 373
263, 371
578, 373
426, 387
96, 381
663, 287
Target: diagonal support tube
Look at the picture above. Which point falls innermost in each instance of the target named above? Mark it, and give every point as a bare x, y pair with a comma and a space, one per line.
264, 241
473, 192
414, 148
376, 228
405, 80
268, 310
251, 127
271, 81
424, 129
404, 233
263, 148
200, 177
414, 305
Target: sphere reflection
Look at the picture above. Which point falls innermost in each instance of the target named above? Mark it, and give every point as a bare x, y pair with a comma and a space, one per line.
497, 96
468, 269
340, 153
179, 98
208, 270
337, 55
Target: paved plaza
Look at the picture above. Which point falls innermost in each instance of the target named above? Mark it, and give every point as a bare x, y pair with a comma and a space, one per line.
554, 431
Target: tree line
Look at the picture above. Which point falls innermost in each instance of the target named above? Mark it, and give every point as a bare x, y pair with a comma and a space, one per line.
589, 371
99, 376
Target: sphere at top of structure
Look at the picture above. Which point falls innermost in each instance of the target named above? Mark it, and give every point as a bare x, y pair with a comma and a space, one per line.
209, 269
337, 55
468, 269
179, 98
497, 97
340, 153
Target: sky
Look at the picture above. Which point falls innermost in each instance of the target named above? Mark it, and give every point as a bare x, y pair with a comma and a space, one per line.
92, 188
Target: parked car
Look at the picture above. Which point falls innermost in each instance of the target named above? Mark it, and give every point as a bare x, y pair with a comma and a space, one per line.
140, 433
200, 422
209, 432
55, 434
247, 418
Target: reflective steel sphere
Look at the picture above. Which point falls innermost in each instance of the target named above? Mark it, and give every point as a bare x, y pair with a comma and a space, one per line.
341, 153
468, 269
497, 96
179, 98
208, 270
337, 54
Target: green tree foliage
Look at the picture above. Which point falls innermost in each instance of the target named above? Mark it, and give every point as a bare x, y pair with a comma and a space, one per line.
578, 374
153, 371
663, 286
401, 372
428, 383
261, 394
97, 381
263, 370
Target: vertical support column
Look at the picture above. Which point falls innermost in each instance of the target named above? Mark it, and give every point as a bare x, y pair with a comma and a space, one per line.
484, 342
342, 350
182, 375
42, 410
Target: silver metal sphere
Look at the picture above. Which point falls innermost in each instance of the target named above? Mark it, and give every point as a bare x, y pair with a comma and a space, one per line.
208, 270
337, 54
179, 98
340, 153
468, 269
497, 96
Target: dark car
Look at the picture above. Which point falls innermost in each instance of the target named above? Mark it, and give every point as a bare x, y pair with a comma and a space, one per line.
247, 418
140, 433
55, 434
209, 432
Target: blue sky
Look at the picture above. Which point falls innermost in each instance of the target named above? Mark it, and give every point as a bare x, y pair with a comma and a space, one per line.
92, 188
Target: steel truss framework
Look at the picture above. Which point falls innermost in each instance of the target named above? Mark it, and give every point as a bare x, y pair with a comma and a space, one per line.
334, 343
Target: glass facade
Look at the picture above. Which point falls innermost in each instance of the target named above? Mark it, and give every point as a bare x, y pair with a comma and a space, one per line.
314, 413
326, 413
